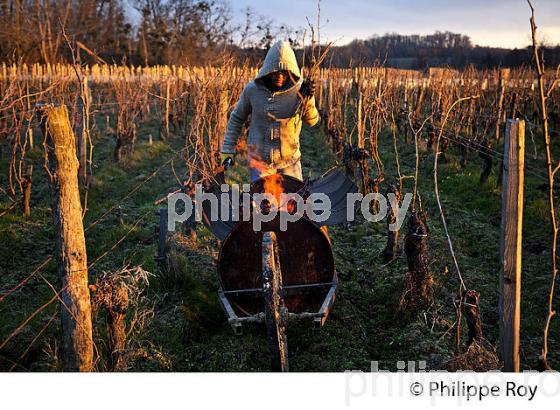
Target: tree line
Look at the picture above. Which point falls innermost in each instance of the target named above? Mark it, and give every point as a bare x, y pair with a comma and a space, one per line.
198, 32
437, 49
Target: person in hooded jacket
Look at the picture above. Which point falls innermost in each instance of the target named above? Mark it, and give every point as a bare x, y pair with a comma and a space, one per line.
278, 101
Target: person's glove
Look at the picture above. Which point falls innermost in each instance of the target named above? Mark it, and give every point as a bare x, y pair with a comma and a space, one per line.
227, 159
307, 88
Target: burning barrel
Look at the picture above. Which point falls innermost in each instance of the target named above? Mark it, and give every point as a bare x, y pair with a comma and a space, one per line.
305, 254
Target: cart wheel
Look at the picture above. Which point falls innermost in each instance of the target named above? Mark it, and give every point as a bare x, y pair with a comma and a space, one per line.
274, 309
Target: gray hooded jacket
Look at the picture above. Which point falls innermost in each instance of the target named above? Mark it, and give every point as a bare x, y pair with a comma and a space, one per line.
275, 125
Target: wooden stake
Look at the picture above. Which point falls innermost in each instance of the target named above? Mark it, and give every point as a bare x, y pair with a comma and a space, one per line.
510, 244
502, 85
81, 143
167, 90
26, 183
30, 137
83, 137
161, 257
189, 226
77, 343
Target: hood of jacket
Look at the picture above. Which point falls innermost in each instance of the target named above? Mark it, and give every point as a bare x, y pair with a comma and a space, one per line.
280, 57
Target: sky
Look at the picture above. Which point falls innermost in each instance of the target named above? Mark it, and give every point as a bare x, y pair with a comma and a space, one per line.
499, 23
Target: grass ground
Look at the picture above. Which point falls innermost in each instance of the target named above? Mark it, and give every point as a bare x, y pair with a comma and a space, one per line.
188, 330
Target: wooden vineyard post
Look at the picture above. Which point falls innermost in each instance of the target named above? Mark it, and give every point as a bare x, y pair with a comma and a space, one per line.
502, 85
167, 91
189, 226
161, 257
26, 184
83, 137
361, 158
71, 254
82, 130
30, 137
510, 244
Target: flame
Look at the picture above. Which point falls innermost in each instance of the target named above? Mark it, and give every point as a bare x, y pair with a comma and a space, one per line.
291, 206
273, 182
255, 161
